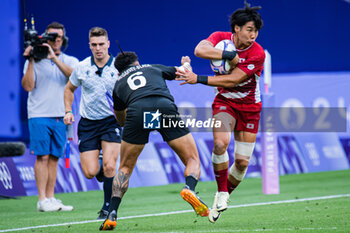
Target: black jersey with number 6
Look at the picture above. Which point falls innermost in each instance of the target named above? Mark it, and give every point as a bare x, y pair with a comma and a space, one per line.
137, 82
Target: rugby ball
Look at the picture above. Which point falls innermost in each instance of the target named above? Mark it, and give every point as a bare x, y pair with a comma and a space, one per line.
222, 66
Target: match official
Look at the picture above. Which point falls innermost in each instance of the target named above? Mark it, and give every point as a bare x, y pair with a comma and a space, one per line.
98, 128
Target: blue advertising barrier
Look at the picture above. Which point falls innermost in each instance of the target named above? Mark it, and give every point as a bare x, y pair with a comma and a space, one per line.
159, 165
322, 152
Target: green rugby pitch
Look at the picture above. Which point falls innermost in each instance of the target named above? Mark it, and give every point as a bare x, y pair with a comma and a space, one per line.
312, 202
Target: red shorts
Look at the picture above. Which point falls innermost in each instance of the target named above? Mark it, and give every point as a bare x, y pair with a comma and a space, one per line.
247, 115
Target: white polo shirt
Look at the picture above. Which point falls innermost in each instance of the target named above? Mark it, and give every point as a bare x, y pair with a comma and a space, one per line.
94, 82
47, 97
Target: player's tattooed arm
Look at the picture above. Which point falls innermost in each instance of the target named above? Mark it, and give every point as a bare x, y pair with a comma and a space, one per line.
120, 184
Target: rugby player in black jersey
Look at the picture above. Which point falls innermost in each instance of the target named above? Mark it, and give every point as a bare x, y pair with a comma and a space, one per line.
140, 89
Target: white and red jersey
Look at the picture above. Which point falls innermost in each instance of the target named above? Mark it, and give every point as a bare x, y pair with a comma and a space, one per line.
251, 61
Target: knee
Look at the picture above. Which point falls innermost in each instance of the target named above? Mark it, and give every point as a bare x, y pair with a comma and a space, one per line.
238, 169
89, 175
241, 164
89, 172
220, 147
109, 169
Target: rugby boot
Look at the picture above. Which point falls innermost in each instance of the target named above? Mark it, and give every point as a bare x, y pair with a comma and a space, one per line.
197, 204
102, 214
221, 199
110, 223
214, 215
219, 205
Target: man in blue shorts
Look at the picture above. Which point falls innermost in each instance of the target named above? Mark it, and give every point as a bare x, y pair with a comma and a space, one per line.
98, 128
45, 81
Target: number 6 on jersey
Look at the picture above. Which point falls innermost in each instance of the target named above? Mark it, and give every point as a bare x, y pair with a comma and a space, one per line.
133, 84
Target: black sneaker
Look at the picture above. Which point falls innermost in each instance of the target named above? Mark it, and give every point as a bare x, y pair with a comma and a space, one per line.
110, 223
102, 214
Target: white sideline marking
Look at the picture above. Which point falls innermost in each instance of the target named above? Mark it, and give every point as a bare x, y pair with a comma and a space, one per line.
187, 211
257, 230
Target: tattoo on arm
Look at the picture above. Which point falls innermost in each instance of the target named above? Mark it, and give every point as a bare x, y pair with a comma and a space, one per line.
120, 184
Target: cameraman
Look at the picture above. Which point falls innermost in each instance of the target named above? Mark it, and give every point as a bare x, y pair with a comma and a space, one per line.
45, 81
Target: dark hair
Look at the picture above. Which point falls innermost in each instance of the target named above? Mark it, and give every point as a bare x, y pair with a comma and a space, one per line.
125, 59
241, 16
56, 25
97, 31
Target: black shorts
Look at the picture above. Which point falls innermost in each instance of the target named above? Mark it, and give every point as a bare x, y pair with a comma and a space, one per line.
135, 128
92, 132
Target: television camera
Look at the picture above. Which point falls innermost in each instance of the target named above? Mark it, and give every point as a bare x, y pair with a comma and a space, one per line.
31, 37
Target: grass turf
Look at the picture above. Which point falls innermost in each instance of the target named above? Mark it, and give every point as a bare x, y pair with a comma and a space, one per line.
328, 215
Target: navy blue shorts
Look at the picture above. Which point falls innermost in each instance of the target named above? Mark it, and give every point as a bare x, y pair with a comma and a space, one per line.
47, 136
139, 117
92, 132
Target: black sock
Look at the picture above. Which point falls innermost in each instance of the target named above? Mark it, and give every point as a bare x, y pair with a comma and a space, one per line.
107, 190
115, 202
191, 182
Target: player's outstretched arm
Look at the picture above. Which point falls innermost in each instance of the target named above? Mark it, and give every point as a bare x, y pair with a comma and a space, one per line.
227, 80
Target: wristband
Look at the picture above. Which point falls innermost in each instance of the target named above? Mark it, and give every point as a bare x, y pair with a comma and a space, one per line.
228, 55
202, 79
69, 112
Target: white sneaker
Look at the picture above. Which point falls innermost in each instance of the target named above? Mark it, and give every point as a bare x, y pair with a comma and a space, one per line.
213, 215
221, 200
219, 205
61, 205
46, 205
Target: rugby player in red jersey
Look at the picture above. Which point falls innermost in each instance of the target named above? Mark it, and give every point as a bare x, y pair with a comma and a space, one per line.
237, 104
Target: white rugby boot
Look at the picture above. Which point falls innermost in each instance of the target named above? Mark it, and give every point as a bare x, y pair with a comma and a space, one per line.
222, 200
219, 205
